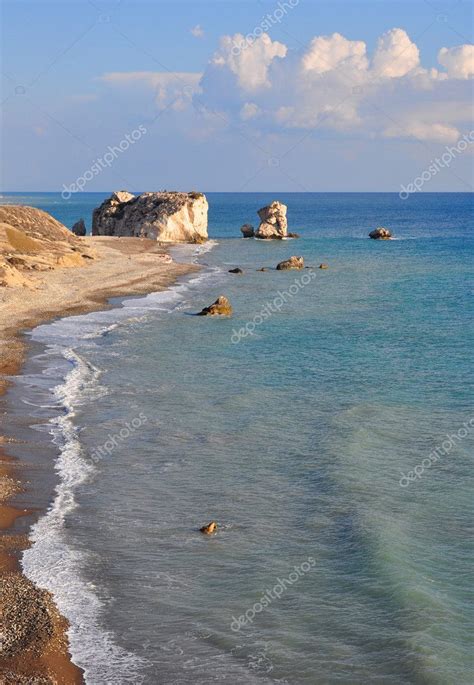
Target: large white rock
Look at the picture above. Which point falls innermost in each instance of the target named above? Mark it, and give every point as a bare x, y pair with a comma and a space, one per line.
273, 223
168, 216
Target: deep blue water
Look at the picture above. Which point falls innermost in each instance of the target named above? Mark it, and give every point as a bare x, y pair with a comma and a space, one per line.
312, 426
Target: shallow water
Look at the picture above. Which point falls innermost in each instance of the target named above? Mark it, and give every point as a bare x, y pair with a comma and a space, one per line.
295, 424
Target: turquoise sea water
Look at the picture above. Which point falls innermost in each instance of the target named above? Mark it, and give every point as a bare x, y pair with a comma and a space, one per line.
312, 426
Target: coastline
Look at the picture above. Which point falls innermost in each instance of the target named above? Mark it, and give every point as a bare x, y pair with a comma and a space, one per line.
35, 641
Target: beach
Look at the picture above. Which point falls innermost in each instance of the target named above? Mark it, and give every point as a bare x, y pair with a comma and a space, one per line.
35, 643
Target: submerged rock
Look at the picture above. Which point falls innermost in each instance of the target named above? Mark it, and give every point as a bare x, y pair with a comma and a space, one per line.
168, 216
248, 231
380, 233
291, 263
79, 228
273, 223
209, 529
324, 266
262, 268
237, 270
221, 307
293, 235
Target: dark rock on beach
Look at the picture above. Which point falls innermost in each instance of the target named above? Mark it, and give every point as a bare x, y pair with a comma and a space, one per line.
79, 228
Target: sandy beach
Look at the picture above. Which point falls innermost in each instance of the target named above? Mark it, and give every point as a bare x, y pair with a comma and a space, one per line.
34, 638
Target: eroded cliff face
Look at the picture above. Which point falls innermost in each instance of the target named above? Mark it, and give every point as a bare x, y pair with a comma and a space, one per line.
32, 240
168, 216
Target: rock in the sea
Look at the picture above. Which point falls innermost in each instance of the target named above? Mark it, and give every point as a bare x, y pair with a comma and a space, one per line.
79, 228
221, 307
380, 233
324, 266
168, 216
293, 235
237, 270
291, 263
262, 268
209, 529
248, 231
273, 223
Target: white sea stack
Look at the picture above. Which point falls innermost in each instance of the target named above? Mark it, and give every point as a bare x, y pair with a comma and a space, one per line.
170, 217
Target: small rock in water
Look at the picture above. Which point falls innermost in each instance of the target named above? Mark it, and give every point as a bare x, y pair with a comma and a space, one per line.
263, 268
248, 231
79, 228
293, 235
380, 233
221, 307
291, 263
237, 270
324, 266
209, 529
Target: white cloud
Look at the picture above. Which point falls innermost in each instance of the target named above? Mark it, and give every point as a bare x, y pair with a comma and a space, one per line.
327, 53
197, 31
458, 61
437, 133
249, 111
395, 55
248, 62
172, 89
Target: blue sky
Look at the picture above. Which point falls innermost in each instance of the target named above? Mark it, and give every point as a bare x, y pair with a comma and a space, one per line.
235, 95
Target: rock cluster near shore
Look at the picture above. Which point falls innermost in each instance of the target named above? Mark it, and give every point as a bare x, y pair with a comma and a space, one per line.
221, 307
166, 216
32, 240
291, 263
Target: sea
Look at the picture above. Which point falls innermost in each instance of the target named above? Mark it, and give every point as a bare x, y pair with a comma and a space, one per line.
327, 427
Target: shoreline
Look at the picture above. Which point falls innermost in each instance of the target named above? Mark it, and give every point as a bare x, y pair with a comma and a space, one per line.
36, 645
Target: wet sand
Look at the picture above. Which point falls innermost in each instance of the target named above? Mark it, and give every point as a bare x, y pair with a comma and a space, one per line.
32, 632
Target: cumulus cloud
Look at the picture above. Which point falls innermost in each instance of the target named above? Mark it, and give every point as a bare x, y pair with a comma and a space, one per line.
248, 62
327, 53
458, 61
333, 84
395, 55
172, 89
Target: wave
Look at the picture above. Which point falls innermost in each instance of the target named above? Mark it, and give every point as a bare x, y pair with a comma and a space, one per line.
56, 565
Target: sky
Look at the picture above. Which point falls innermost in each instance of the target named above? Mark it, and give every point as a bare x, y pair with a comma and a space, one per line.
237, 95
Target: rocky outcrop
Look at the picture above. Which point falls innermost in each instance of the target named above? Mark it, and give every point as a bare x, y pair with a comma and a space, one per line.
221, 307
291, 263
380, 233
273, 223
248, 231
79, 228
32, 240
209, 529
168, 216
